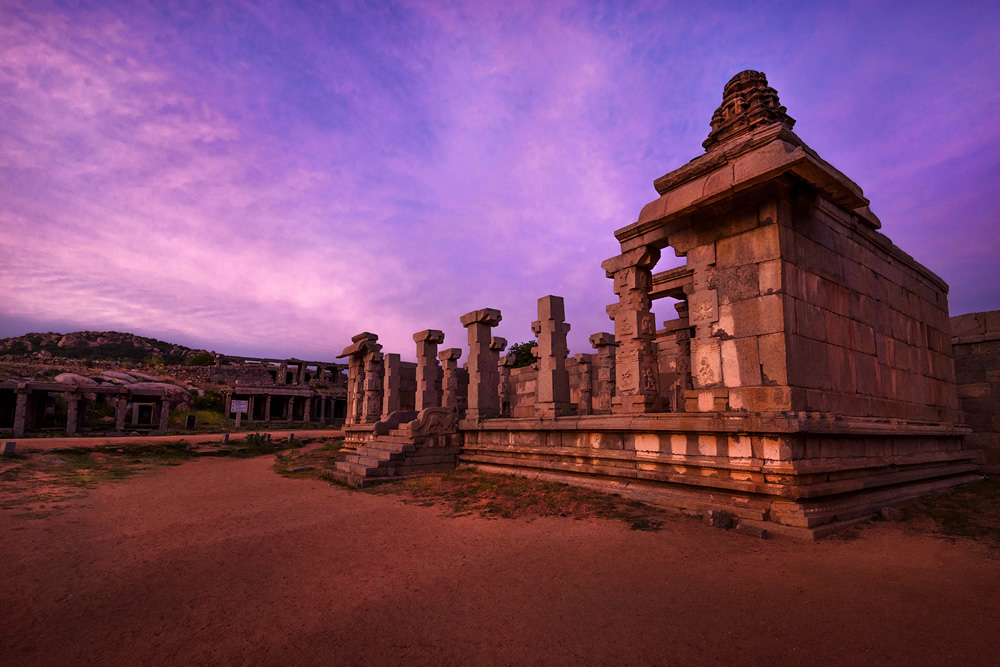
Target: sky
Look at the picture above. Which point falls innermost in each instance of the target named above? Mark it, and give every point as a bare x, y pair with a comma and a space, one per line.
271, 178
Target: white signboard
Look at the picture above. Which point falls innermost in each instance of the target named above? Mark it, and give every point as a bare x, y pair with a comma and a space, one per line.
240, 406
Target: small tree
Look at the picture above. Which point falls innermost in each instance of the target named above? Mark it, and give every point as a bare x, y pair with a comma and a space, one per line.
522, 353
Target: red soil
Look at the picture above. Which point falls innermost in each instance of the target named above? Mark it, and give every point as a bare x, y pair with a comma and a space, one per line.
223, 561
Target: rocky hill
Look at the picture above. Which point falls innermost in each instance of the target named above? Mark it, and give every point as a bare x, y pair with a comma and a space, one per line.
94, 345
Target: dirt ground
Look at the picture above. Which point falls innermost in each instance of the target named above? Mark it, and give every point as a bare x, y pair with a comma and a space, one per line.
224, 561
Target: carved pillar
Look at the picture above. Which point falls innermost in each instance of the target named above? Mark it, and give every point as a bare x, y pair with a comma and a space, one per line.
708, 393
427, 368
135, 413
20, 410
605, 345
267, 409
390, 391
250, 402
374, 364
682, 363
585, 404
306, 408
484, 379
552, 398
449, 383
321, 416
282, 373
361, 346
636, 381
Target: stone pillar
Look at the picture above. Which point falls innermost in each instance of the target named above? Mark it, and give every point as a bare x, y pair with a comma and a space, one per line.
165, 413
449, 383
605, 345
636, 381
72, 412
427, 368
709, 393
552, 398
250, 402
484, 378
498, 345
135, 413
372, 408
321, 413
306, 408
390, 387
584, 405
282, 373
682, 337
505, 388
120, 410
320, 373
20, 410
267, 409
357, 353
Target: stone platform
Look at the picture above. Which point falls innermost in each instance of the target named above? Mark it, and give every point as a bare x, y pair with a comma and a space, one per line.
804, 474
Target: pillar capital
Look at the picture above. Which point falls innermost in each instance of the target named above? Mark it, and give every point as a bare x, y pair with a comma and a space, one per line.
498, 344
429, 336
603, 339
644, 257
488, 316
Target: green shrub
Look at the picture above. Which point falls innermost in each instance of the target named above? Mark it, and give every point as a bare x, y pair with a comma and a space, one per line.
201, 359
211, 401
522, 353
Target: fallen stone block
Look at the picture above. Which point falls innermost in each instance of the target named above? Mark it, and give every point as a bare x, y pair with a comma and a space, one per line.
301, 468
9, 448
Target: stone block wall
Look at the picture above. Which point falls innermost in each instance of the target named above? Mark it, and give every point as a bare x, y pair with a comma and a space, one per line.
525, 382
976, 343
867, 326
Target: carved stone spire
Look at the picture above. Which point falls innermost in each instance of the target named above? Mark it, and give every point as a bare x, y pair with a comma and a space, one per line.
747, 103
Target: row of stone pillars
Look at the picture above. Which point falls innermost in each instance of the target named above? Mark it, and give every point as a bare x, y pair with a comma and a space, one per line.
373, 378
76, 407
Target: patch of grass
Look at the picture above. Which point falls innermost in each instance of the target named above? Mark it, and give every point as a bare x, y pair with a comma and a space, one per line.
970, 511
332, 445
257, 444
495, 496
38, 483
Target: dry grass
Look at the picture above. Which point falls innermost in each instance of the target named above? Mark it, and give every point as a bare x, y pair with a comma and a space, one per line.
970, 511
38, 484
493, 496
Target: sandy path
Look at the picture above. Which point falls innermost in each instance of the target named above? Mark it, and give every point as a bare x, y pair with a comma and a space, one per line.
222, 561
46, 444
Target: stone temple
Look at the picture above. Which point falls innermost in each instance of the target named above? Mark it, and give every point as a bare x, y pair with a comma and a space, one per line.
806, 382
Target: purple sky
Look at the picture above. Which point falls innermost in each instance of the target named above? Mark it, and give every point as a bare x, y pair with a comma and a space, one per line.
271, 178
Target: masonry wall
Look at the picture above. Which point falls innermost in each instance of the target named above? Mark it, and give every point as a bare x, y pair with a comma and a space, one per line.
867, 327
976, 343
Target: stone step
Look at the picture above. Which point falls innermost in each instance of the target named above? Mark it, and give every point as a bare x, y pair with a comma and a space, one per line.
380, 454
361, 470
392, 440
368, 461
